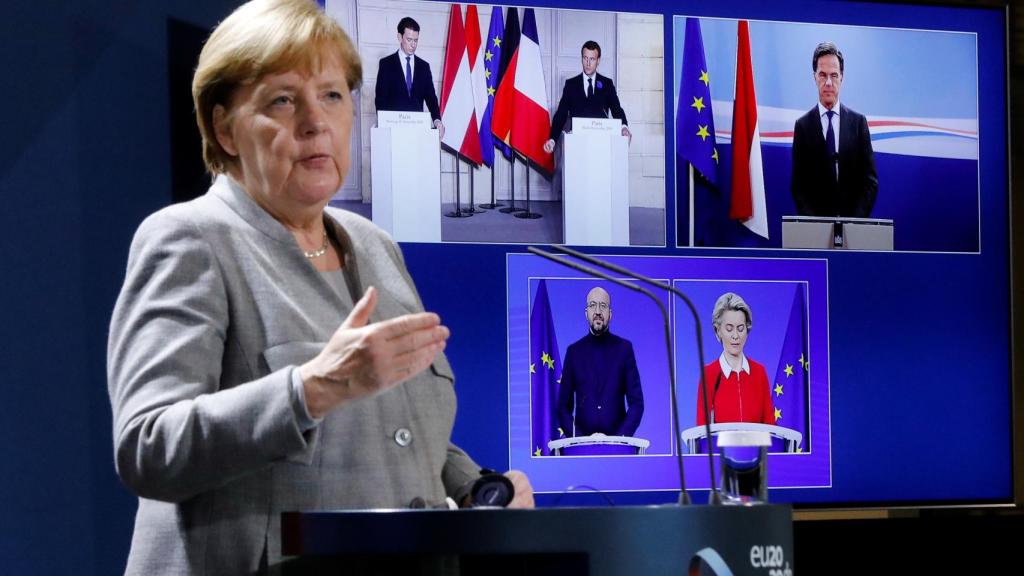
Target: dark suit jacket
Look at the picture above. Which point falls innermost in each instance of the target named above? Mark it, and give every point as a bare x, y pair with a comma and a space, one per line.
391, 94
815, 189
575, 104
598, 375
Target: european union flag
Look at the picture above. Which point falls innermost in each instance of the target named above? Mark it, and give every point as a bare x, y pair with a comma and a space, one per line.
789, 389
695, 124
545, 373
492, 66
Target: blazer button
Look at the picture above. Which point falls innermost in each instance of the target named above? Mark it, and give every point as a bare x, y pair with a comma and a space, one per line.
403, 437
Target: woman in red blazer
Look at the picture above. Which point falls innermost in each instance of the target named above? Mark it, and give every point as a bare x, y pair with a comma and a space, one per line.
738, 386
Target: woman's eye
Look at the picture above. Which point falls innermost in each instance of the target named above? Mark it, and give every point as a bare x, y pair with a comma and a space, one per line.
281, 101
335, 96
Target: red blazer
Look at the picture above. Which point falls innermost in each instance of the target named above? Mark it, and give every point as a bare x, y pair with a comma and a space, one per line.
741, 397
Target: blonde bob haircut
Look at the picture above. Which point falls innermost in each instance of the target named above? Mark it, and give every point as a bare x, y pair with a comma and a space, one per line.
263, 37
731, 302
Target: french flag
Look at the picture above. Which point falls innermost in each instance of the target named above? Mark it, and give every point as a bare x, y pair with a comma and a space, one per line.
521, 117
458, 110
748, 200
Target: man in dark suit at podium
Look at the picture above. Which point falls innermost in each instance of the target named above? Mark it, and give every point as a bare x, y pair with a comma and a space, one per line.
833, 162
587, 95
600, 379
404, 82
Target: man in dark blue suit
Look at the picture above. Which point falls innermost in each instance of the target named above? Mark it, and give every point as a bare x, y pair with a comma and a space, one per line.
587, 95
404, 82
833, 162
600, 380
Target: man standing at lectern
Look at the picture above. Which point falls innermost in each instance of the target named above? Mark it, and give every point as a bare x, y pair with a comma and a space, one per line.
600, 379
587, 95
833, 163
404, 82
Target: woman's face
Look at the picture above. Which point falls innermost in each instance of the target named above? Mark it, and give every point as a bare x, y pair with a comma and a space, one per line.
733, 332
290, 133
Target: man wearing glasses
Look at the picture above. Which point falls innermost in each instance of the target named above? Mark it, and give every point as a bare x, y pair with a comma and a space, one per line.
600, 389
833, 162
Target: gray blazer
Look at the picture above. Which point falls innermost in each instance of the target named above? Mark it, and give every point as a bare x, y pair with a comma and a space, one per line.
218, 308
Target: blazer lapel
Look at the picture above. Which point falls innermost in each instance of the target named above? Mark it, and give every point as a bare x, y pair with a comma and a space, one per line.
232, 194
846, 131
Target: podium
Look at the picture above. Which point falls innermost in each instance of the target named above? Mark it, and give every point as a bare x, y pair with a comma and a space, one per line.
598, 444
612, 541
405, 171
691, 437
822, 233
595, 183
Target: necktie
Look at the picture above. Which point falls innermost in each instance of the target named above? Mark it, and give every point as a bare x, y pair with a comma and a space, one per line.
408, 77
830, 142
590, 87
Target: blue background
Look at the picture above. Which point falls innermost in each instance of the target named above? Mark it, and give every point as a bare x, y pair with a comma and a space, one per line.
920, 342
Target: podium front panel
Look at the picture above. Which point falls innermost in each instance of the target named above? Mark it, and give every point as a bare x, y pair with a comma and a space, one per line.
405, 172
595, 189
615, 541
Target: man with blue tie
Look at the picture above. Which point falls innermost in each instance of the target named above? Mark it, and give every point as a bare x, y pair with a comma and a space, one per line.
587, 95
404, 82
833, 162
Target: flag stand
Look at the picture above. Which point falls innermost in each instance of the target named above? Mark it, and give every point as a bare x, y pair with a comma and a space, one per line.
526, 214
458, 213
512, 201
491, 205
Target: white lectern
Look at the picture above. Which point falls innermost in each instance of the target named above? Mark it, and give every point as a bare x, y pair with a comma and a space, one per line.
691, 436
405, 171
595, 183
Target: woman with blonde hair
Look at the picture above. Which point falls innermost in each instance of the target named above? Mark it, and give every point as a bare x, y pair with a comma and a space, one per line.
269, 353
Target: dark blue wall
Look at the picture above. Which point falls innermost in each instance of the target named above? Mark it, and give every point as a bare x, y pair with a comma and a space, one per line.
85, 152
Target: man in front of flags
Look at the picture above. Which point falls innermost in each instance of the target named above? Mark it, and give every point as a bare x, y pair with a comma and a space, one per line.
404, 82
833, 162
587, 95
600, 379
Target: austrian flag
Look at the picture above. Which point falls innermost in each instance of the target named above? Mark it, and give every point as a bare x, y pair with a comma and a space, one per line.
458, 109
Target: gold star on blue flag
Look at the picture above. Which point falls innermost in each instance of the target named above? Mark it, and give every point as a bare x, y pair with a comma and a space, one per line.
543, 383
694, 99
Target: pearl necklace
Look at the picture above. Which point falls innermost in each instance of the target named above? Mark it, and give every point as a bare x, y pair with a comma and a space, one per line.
319, 251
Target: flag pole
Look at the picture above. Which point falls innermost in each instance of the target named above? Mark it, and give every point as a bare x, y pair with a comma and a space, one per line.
693, 192
492, 204
511, 208
458, 213
526, 213
471, 209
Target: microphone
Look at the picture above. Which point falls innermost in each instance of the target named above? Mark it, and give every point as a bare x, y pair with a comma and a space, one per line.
718, 382
491, 490
684, 497
713, 497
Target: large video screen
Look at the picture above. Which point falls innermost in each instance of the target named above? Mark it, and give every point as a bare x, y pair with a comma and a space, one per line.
842, 228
